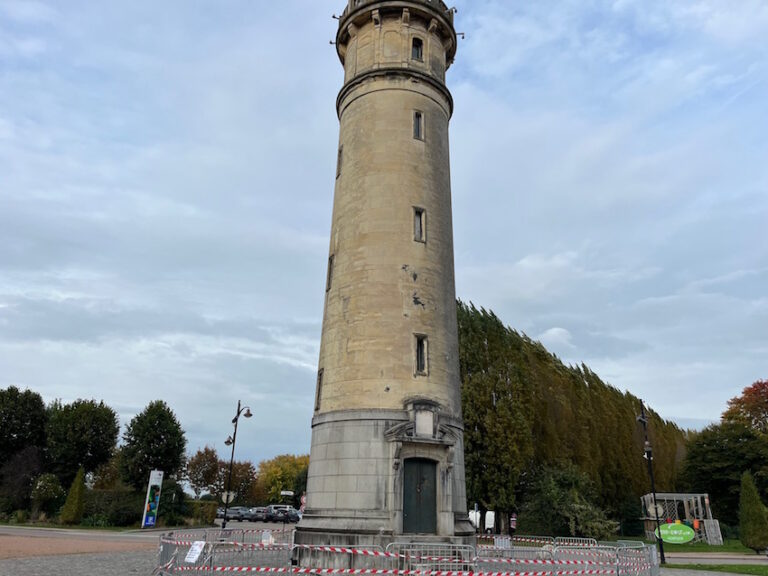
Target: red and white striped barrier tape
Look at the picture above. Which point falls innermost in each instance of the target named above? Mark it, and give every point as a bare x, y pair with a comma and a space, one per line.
381, 572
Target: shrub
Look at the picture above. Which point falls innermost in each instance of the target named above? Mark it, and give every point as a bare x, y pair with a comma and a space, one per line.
202, 512
120, 507
752, 516
173, 504
96, 521
72, 512
47, 495
20, 517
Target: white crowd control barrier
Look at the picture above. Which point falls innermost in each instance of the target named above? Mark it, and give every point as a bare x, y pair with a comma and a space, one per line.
268, 551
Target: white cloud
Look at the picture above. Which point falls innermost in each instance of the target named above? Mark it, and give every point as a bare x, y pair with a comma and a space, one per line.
167, 186
27, 11
557, 340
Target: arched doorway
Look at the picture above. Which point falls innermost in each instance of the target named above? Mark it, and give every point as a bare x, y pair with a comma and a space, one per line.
420, 496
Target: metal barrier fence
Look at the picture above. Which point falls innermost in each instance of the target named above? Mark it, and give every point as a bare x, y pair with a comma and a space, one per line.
267, 551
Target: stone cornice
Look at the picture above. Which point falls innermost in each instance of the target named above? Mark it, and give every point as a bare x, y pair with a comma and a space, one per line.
394, 71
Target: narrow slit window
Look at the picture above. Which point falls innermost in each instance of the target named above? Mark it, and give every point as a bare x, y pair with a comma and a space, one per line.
319, 390
421, 355
329, 278
419, 225
417, 49
418, 125
339, 160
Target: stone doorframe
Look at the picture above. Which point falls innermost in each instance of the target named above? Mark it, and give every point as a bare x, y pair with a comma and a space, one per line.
423, 436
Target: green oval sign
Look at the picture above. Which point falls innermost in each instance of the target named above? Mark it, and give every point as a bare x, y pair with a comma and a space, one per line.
676, 533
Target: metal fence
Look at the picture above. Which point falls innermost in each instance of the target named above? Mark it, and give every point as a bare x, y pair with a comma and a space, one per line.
268, 551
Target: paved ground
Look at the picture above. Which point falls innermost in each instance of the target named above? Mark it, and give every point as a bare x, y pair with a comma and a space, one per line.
674, 572
111, 564
53, 552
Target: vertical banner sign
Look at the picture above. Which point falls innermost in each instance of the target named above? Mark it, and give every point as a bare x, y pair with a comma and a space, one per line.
153, 499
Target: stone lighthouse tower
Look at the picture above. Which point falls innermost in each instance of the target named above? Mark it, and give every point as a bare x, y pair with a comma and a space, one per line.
387, 457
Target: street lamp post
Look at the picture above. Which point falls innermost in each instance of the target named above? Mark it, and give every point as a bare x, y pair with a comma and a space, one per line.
246, 412
649, 457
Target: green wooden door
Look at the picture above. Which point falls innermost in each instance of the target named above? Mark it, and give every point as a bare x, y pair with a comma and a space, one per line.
420, 497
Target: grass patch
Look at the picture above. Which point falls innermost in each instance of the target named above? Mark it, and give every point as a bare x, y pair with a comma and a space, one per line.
731, 545
753, 569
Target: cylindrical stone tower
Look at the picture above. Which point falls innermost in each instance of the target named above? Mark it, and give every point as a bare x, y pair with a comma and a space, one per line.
387, 457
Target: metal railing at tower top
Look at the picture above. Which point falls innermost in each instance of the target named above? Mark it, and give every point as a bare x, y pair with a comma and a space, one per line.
275, 551
438, 4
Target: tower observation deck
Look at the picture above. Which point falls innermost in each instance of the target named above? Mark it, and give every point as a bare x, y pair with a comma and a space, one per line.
387, 456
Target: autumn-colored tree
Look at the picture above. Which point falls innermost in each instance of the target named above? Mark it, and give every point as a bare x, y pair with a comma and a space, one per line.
286, 472
243, 479
202, 471
751, 408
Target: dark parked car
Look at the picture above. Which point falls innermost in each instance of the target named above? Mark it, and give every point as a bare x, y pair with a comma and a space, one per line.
258, 514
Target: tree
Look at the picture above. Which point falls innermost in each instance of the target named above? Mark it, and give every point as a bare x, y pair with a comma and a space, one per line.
82, 434
751, 408
22, 421
107, 476
560, 500
243, 479
202, 471
282, 473
525, 410
153, 440
17, 475
72, 512
717, 457
753, 523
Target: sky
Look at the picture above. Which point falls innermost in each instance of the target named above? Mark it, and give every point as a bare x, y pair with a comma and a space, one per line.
166, 185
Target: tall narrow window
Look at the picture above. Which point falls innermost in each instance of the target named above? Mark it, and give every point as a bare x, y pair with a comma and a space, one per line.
417, 49
329, 278
419, 224
418, 125
319, 390
339, 160
421, 355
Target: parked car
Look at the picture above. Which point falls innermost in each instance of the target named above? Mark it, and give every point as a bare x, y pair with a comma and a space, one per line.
219, 512
282, 513
238, 513
258, 514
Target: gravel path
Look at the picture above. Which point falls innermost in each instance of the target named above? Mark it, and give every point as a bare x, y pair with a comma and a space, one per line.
106, 564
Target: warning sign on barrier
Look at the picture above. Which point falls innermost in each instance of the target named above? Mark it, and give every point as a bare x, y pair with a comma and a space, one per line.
194, 552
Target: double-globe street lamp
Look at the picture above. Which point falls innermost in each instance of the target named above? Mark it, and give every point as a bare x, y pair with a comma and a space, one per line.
246, 412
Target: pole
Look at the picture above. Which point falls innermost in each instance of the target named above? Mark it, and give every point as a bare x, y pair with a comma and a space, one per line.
231, 461
649, 457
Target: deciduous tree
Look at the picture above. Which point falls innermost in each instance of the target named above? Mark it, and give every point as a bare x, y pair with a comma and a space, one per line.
82, 434
153, 440
284, 472
22, 421
751, 408
203, 470
717, 457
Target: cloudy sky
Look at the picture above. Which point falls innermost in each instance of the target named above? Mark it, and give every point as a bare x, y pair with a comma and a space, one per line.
167, 171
